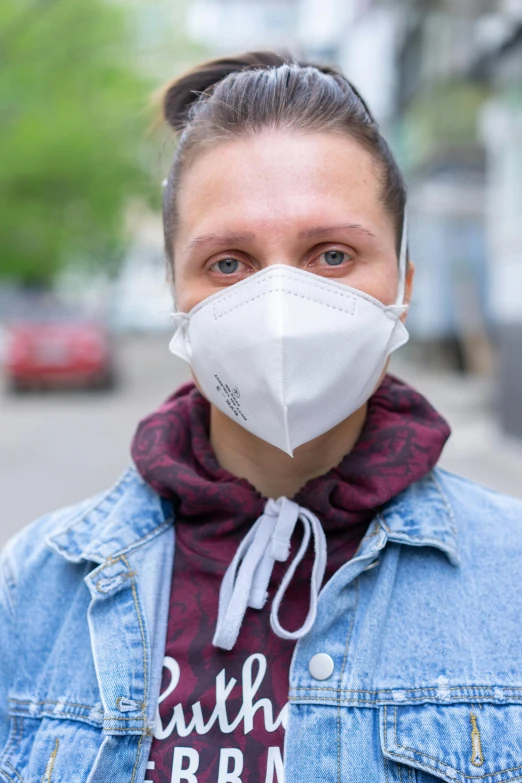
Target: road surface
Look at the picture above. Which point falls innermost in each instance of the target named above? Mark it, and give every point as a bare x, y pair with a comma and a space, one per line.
58, 448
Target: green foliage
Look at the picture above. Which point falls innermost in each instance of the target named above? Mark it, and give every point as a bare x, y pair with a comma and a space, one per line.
72, 127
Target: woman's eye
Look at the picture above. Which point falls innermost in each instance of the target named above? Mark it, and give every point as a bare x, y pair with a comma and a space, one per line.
227, 266
334, 257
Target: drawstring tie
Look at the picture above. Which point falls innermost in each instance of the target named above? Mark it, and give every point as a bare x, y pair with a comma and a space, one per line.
246, 581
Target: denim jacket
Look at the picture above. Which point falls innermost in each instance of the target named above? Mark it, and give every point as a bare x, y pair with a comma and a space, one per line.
423, 624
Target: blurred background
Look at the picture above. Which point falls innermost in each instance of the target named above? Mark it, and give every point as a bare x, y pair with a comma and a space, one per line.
84, 304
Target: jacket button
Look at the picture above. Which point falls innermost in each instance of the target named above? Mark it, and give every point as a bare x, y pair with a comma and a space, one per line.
321, 666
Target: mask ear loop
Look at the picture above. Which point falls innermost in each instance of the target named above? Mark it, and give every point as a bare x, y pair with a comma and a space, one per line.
402, 261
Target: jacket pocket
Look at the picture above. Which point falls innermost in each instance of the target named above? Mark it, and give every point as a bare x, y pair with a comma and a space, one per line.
455, 742
49, 750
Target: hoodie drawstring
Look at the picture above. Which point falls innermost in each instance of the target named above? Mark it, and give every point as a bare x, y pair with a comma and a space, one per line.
246, 581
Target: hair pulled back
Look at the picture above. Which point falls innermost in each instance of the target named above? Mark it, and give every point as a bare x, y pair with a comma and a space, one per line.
240, 96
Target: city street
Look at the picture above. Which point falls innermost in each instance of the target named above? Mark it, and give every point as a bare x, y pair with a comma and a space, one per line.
57, 448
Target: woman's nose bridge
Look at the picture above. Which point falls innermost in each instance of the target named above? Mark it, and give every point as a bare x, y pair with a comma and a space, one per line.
277, 242
281, 259
280, 248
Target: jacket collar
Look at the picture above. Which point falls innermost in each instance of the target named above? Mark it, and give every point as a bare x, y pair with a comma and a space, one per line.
131, 513
125, 517
421, 515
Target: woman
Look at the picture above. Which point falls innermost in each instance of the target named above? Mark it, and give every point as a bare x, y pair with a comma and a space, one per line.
283, 585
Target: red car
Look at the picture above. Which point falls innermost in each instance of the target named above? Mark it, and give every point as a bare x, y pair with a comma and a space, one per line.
57, 350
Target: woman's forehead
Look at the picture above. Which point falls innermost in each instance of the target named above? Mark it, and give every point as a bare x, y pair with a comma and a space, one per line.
274, 178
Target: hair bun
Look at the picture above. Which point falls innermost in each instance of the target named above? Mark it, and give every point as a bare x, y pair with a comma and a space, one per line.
180, 94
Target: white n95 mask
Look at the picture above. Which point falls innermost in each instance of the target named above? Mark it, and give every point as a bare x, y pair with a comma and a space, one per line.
289, 354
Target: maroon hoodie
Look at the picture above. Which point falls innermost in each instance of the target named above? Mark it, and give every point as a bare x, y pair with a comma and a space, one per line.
222, 713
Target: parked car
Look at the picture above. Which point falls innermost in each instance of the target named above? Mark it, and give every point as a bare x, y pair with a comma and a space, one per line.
57, 347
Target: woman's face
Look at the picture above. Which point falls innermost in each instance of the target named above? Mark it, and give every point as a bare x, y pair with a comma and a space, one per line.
311, 201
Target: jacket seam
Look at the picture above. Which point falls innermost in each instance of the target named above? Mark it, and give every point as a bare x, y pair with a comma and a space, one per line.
385, 730
405, 537
134, 545
145, 659
341, 674
14, 736
427, 540
138, 754
386, 778
380, 703
121, 731
9, 575
48, 701
333, 699
408, 690
10, 585
20, 778
447, 506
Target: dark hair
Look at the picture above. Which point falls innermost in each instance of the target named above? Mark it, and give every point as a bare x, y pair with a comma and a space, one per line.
239, 96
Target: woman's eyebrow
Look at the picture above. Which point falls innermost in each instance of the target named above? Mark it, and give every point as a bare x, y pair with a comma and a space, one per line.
309, 233
319, 231
220, 239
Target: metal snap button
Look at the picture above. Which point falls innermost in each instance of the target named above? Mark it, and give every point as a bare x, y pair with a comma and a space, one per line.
321, 666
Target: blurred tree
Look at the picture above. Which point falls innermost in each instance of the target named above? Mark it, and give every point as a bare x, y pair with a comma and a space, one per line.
72, 125
442, 117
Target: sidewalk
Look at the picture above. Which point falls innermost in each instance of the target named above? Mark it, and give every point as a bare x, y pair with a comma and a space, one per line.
477, 448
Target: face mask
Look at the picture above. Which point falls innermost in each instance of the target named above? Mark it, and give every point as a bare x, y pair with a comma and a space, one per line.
288, 354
